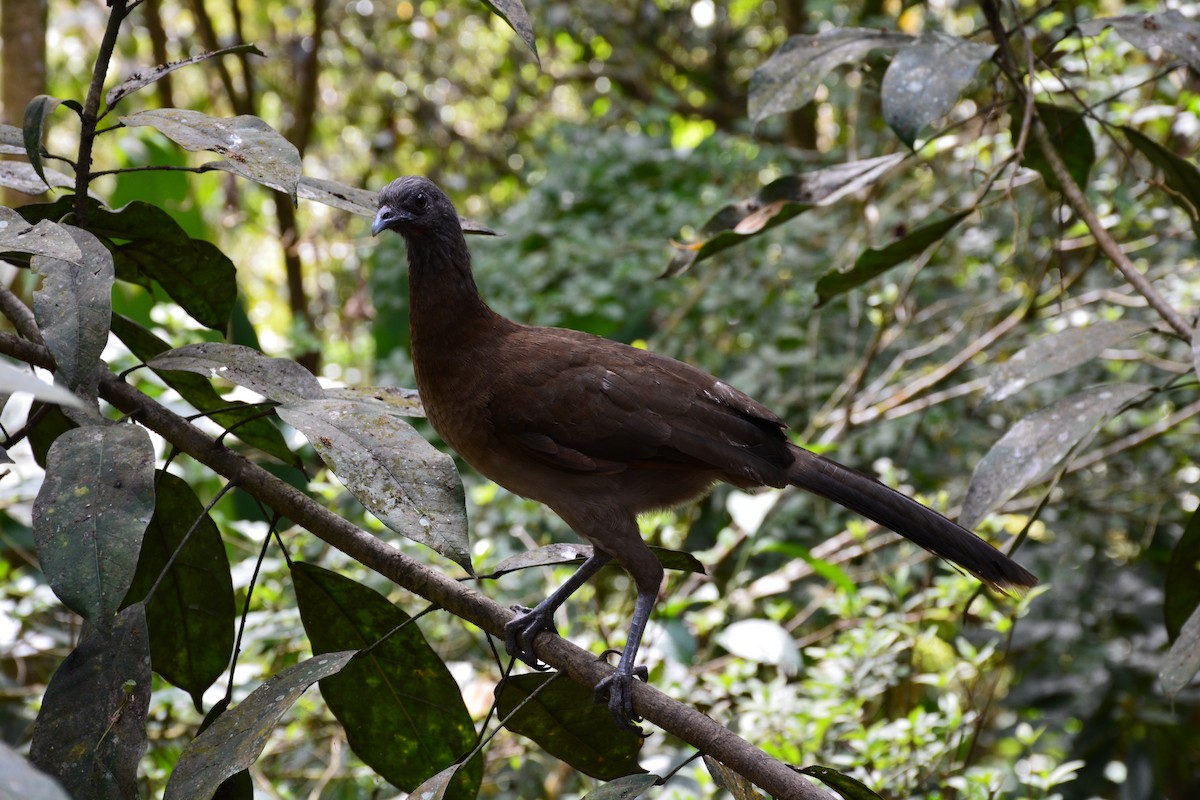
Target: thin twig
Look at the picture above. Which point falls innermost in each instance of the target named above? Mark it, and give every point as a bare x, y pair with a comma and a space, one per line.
91, 109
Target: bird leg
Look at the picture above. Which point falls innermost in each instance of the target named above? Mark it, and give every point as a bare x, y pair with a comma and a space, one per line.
522, 629
619, 685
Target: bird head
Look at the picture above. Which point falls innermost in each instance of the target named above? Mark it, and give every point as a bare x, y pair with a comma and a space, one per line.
413, 205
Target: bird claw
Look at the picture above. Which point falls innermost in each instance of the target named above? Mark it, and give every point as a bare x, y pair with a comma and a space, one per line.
619, 688
521, 630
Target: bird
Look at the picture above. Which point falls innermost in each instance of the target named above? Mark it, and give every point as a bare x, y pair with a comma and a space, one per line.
600, 432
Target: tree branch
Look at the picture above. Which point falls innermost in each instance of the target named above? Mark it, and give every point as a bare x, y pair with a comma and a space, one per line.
682, 721
91, 110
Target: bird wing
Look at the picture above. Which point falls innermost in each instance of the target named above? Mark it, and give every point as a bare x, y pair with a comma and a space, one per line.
605, 407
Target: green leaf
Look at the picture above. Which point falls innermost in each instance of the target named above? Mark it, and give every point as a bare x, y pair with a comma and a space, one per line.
1182, 661
1180, 175
626, 788
1069, 133
278, 379
46, 238
51, 424
34, 128
924, 80
245, 421
1170, 30
565, 721
22, 177
849, 788
251, 147
91, 513
403, 713
73, 308
514, 13
410, 485
191, 614
148, 245
1181, 593
236, 738
777, 202
1056, 353
23, 781
142, 79
1033, 446
735, 783
90, 732
790, 77
874, 262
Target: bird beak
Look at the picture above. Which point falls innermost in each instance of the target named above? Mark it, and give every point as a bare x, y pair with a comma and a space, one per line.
383, 220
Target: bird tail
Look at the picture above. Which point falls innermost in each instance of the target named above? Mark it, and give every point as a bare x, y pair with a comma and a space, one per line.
908, 518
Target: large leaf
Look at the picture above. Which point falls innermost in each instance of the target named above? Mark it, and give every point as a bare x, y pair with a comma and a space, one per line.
251, 147
411, 486
789, 78
874, 262
12, 140
1055, 354
236, 738
91, 514
244, 420
1033, 446
849, 788
148, 245
565, 720
191, 613
73, 307
34, 129
1180, 175
24, 178
777, 202
925, 79
1070, 136
14, 380
735, 783
46, 238
21, 780
1181, 592
1170, 30
403, 713
143, 78
624, 788
279, 379
1182, 661
91, 730
514, 13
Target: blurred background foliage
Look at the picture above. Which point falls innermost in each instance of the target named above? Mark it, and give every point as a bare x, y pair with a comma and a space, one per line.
628, 134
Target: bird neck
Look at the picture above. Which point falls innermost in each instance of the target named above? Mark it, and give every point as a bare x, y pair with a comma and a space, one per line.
444, 303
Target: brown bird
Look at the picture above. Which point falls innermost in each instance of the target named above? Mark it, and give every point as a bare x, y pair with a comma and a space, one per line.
600, 431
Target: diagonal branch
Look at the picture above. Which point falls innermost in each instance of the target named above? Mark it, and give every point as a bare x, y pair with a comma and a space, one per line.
682, 721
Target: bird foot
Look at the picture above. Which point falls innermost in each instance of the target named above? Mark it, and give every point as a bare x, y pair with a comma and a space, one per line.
619, 688
522, 629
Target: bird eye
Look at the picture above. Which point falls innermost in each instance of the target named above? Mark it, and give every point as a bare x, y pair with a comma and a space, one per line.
420, 201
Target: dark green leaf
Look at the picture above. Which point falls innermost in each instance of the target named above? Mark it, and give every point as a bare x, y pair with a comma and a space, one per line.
789, 78
565, 721
1071, 138
46, 238
91, 730
1033, 446
279, 379
235, 739
149, 245
1182, 661
1181, 593
410, 485
626, 788
925, 79
251, 147
144, 78
73, 308
1056, 353
872, 263
34, 128
403, 713
847, 787
245, 421
51, 424
513, 12
1180, 175
91, 513
777, 202
191, 614
23, 781
733, 782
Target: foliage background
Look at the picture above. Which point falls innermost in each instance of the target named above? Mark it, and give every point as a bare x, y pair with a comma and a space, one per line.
630, 132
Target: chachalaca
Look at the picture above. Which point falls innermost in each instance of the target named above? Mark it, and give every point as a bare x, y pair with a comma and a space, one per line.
600, 431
